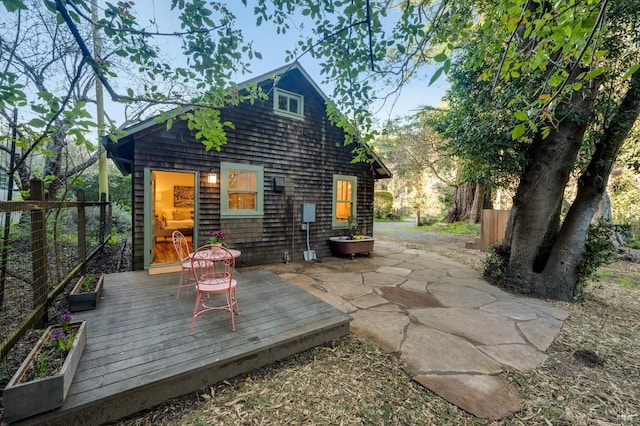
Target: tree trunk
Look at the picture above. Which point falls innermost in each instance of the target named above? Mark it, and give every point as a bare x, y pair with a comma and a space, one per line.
536, 206
534, 220
468, 201
530, 235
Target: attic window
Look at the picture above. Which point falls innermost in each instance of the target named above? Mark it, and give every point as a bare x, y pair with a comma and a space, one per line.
288, 104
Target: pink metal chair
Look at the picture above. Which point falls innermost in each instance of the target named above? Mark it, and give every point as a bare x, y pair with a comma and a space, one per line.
184, 255
213, 267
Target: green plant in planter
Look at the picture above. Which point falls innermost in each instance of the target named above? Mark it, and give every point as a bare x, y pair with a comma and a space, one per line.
43, 380
353, 226
54, 352
86, 293
89, 283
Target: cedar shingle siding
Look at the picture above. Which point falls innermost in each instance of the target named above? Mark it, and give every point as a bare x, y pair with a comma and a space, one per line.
306, 153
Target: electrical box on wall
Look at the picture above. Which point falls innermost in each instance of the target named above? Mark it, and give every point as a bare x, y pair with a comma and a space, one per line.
308, 212
278, 184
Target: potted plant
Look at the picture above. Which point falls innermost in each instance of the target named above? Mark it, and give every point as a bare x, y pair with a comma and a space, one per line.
216, 237
353, 243
43, 380
86, 293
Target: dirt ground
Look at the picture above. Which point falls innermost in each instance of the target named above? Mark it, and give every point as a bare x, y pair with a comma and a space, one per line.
591, 377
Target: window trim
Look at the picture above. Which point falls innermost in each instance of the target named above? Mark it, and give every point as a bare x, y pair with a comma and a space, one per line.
227, 213
354, 199
276, 94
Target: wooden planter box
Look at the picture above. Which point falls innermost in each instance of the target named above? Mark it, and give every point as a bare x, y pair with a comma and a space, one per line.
346, 247
30, 398
82, 301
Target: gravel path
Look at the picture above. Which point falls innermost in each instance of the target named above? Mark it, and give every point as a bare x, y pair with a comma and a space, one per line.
407, 233
450, 245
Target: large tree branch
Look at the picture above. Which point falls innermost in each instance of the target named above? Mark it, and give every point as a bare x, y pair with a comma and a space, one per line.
88, 57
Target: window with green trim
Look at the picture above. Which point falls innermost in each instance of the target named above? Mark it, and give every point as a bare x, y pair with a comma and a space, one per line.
344, 200
288, 104
241, 190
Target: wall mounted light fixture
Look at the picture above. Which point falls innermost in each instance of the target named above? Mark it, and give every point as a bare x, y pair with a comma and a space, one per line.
212, 178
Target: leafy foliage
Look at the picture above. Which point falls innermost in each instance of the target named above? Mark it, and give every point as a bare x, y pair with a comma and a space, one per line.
599, 251
119, 188
382, 204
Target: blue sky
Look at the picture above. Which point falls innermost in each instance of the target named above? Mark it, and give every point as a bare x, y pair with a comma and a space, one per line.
273, 46
273, 49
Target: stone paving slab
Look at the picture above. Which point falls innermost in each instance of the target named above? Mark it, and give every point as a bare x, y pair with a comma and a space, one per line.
429, 350
487, 397
511, 309
520, 357
390, 329
454, 330
460, 296
472, 324
541, 332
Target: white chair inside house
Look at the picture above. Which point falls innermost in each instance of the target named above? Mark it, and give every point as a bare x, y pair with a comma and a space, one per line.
213, 267
184, 255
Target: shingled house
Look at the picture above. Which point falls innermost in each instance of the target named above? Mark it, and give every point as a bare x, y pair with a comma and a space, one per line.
282, 155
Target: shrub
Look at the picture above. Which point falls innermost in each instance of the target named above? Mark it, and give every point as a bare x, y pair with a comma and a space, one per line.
382, 204
599, 251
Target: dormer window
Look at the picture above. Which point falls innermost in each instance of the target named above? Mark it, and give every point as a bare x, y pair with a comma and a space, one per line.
288, 104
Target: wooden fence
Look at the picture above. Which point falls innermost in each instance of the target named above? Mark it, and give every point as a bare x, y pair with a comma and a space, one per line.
46, 245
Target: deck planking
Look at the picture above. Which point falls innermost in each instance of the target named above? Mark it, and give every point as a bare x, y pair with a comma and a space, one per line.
139, 352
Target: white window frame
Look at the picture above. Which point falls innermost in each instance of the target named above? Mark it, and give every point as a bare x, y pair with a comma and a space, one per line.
354, 199
277, 93
225, 211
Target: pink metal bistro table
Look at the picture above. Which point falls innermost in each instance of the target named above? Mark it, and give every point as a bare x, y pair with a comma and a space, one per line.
211, 254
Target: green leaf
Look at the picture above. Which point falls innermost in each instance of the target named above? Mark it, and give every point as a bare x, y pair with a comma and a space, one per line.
546, 130
440, 57
13, 5
518, 131
36, 122
74, 16
446, 65
400, 48
436, 75
521, 115
593, 74
51, 5
630, 71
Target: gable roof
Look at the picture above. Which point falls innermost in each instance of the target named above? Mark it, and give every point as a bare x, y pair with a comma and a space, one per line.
283, 70
121, 151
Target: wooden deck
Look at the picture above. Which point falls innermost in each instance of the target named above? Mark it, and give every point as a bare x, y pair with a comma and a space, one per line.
139, 352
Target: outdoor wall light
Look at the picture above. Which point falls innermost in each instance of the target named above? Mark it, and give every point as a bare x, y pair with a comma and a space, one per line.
212, 178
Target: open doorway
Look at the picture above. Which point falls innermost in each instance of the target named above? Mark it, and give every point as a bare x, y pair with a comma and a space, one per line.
173, 208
